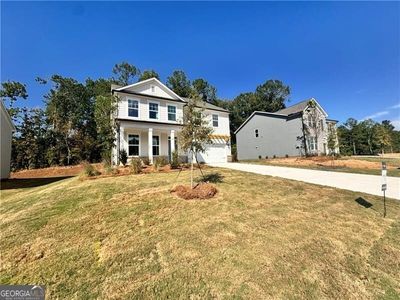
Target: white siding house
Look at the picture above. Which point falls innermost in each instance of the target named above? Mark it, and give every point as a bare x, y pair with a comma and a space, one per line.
150, 116
7, 128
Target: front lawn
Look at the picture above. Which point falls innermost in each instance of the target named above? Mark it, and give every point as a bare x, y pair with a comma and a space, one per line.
261, 237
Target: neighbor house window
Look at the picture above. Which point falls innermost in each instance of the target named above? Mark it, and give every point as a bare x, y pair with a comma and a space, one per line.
215, 120
321, 124
156, 145
256, 132
311, 121
133, 108
312, 143
153, 110
171, 113
133, 145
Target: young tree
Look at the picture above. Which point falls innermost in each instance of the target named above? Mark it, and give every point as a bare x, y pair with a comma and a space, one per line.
196, 131
179, 83
147, 74
11, 91
125, 73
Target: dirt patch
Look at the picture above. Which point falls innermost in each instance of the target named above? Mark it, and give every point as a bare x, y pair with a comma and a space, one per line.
327, 162
201, 191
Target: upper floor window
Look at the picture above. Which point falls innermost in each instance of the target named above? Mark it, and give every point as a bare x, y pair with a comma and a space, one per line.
133, 108
215, 120
153, 110
311, 121
321, 124
256, 132
171, 113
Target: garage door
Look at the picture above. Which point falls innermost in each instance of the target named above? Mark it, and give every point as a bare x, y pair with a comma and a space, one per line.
214, 154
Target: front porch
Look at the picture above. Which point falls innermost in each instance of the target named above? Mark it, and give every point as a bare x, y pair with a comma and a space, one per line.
140, 140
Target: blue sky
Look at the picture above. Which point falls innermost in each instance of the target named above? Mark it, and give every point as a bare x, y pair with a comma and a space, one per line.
345, 54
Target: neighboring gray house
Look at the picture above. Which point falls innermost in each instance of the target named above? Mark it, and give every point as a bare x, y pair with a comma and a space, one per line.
7, 128
293, 131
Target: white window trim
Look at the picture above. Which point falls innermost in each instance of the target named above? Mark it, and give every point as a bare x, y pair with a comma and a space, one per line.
148, 109
140, 143
212, 120
176, 113
127, 107
159, 145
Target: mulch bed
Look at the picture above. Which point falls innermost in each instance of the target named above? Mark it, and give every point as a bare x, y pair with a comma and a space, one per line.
200, 191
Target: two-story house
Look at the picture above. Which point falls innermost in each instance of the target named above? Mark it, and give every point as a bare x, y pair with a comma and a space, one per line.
150, 116
303, 128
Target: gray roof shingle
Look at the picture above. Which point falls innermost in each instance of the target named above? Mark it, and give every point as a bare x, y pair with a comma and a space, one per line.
207, 105
298, 107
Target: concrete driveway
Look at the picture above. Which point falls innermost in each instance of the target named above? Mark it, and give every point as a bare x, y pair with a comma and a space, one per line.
369, 184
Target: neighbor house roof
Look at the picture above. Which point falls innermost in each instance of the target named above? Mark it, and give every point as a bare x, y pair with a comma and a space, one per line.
207, 105
298, 107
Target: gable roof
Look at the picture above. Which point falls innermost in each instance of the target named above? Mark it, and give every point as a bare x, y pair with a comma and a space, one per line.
208, 105
299, 107
5, 114
147, 81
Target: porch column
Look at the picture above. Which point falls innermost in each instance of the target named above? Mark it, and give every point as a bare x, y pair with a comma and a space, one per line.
150, 145
172, 141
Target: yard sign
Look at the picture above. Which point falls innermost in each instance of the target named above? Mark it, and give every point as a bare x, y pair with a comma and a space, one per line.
384, 186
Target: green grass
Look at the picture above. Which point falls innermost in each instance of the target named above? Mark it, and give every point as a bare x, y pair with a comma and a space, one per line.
390, 172
261, 237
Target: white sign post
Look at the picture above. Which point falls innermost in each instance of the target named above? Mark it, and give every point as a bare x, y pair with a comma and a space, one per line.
384, 186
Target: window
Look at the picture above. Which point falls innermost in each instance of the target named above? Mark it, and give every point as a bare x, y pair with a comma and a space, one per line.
156, 145
171, 113
153, 110
311, 121
133, 108
133, 145
215, 120
312, 143
256, 132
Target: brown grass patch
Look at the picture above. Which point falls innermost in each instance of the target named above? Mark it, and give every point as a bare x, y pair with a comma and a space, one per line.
200, 191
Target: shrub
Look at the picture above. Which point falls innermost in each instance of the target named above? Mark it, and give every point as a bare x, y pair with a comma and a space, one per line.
259, 157
145, 160
89, 170
266, 156
136, 166
175, 160
287, 155
123, 157
274, 156
160, 161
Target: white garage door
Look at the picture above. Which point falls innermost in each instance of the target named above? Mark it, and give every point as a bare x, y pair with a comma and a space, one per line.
214, 154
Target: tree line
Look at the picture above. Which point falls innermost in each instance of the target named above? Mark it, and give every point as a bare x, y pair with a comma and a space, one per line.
74, 123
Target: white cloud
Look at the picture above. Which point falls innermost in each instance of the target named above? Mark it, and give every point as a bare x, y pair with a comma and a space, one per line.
396, 124
395, 106
377, 115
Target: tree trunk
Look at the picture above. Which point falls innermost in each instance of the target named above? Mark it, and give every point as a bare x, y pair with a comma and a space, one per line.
68, 150
354, 148
191, 173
